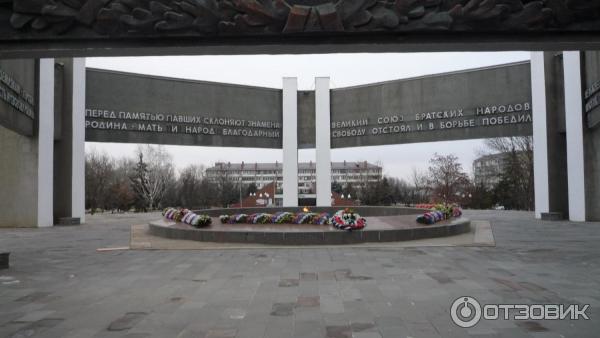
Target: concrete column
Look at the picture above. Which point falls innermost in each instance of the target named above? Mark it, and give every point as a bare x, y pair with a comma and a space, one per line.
78, 139
290, 142
45, 139
574, 127
323, 141
540, 146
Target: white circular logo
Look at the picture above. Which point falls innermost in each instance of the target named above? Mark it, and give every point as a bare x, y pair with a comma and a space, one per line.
465, 312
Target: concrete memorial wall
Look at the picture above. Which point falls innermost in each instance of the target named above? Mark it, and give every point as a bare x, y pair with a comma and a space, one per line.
591, 87
133, 108
591, 95
18, 150
479, 103
17, 92
18, 179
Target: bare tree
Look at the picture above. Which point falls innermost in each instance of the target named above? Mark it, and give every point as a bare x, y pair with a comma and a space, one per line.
421, 188
189, 185
228, 190
99, 169
400, 190
517, 172
154, 171
446, 177
122, 194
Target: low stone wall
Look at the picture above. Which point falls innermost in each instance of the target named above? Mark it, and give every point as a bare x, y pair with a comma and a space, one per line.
328, 236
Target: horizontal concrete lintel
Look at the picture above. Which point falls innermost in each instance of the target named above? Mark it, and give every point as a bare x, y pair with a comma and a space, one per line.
363, 43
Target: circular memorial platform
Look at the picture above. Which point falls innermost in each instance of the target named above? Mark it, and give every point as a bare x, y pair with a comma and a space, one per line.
384, 224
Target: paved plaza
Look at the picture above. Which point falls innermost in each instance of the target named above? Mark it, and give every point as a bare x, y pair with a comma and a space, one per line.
59, 285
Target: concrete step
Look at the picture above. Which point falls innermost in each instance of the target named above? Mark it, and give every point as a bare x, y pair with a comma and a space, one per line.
552, 216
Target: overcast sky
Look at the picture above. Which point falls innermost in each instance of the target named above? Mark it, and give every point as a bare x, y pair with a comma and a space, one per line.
343, 69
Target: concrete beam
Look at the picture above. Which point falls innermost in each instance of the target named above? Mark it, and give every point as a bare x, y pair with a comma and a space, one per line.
290, 142
385, 43
574, 126
323, 141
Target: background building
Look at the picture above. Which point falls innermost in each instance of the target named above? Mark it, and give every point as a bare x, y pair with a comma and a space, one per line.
488, 169
356, 174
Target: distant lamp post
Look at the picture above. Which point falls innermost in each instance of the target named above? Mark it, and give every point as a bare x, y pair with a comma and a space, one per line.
260, 195
349, 197
342, 196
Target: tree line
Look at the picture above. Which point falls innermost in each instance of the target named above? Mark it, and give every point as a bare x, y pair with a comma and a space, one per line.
149, 181
446, 181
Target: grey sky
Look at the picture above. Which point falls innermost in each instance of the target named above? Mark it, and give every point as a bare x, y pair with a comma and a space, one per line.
343, 69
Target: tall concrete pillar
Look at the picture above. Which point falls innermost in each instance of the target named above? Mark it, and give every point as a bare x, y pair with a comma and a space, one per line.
575, 141
45, 143
69, 145
550, 148
290, 142
540, 146
323, 141
78, 140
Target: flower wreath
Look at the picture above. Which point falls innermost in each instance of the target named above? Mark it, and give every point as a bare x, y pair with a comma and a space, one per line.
187, 216
438, 213
347, 219
282, 217
259, 218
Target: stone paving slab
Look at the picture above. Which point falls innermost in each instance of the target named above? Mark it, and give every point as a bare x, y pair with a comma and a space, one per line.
60, 286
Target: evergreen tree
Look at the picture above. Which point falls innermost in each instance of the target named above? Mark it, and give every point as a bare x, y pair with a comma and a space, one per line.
336, 187
139, 183
252, 188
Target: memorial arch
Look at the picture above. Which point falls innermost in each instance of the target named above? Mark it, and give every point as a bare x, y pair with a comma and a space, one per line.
492, 102
48, 98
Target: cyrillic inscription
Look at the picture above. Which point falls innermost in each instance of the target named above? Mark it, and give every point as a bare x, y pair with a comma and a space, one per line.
15, 95
105, 119
395, 123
